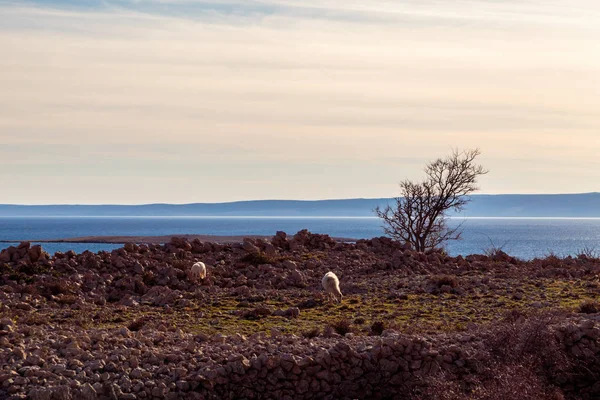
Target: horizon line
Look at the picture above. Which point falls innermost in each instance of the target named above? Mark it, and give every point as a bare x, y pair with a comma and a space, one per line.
280, 217
280, 200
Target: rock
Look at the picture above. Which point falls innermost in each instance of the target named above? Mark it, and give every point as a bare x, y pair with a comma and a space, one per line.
298, 279
270, 250
136, 373
257, 313
34, 360
40, 394
161, 295
130, 247
292, 312
61, 392
310, 303
249, 246
4, 256
178, 243
87, 392
446, 289
35, 253
280, 240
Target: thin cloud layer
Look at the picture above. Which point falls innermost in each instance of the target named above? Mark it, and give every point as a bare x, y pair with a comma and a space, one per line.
197, 101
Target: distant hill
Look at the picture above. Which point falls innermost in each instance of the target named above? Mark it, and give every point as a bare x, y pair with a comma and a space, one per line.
560, 205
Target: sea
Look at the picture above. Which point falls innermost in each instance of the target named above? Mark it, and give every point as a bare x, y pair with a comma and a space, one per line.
524, 238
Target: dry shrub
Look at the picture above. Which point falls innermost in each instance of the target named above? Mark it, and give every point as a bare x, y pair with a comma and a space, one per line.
137, 324
35, 318
33, 269
257, 313
114, 296
588, 253
509, 382
520, 358
149, 278
551, 260
140, 287
342, 326
589, 307
515, 382
521, 337
377, 328
28, 289
328, 331
54, 288
311, 333
441, 280
181, 265
528, 341
259, 258
67, 299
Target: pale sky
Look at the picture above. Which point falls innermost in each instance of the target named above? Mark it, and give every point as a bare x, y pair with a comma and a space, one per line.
180, 101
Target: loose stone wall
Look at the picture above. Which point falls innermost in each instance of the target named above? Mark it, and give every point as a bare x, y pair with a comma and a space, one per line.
172, 365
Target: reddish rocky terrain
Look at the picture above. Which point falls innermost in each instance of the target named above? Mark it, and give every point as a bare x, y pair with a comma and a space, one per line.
130, 324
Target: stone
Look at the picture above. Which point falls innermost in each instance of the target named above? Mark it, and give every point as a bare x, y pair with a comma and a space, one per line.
249, 246
87, 392
35, 253
270, 250
4, 256
61, 392
40, 394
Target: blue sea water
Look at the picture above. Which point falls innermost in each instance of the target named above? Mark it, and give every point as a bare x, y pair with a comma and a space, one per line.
524, 238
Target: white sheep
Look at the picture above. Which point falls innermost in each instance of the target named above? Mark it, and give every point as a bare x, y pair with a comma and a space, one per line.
331, 284
198, 271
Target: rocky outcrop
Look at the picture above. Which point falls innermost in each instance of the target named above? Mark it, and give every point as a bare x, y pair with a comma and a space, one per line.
23, 253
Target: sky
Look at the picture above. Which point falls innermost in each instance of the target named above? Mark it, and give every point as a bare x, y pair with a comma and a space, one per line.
181, 101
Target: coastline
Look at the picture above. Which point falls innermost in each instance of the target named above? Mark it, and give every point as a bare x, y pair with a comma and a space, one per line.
159, 239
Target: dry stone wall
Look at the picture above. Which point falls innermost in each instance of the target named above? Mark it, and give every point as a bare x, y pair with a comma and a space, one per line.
120, 364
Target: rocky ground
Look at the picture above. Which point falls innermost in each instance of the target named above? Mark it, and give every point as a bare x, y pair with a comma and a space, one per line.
130, 324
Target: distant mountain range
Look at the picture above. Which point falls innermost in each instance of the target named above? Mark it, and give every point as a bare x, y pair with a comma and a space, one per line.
538, 205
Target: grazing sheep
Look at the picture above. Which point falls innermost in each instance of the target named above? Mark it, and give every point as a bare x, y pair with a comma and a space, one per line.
331, 284
198, 271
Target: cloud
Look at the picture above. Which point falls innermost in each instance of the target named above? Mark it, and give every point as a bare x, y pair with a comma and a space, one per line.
313, 99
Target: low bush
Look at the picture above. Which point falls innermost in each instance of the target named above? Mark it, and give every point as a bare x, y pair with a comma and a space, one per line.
311, 333
589, 307
137, 324
54, 288
377, 328
259, 258
520, 358
588, 253
441, 280
342, 326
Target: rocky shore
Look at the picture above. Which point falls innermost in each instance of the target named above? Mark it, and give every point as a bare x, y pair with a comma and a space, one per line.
130, 324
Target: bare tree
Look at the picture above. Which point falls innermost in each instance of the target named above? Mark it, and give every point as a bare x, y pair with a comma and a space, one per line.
419, 216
